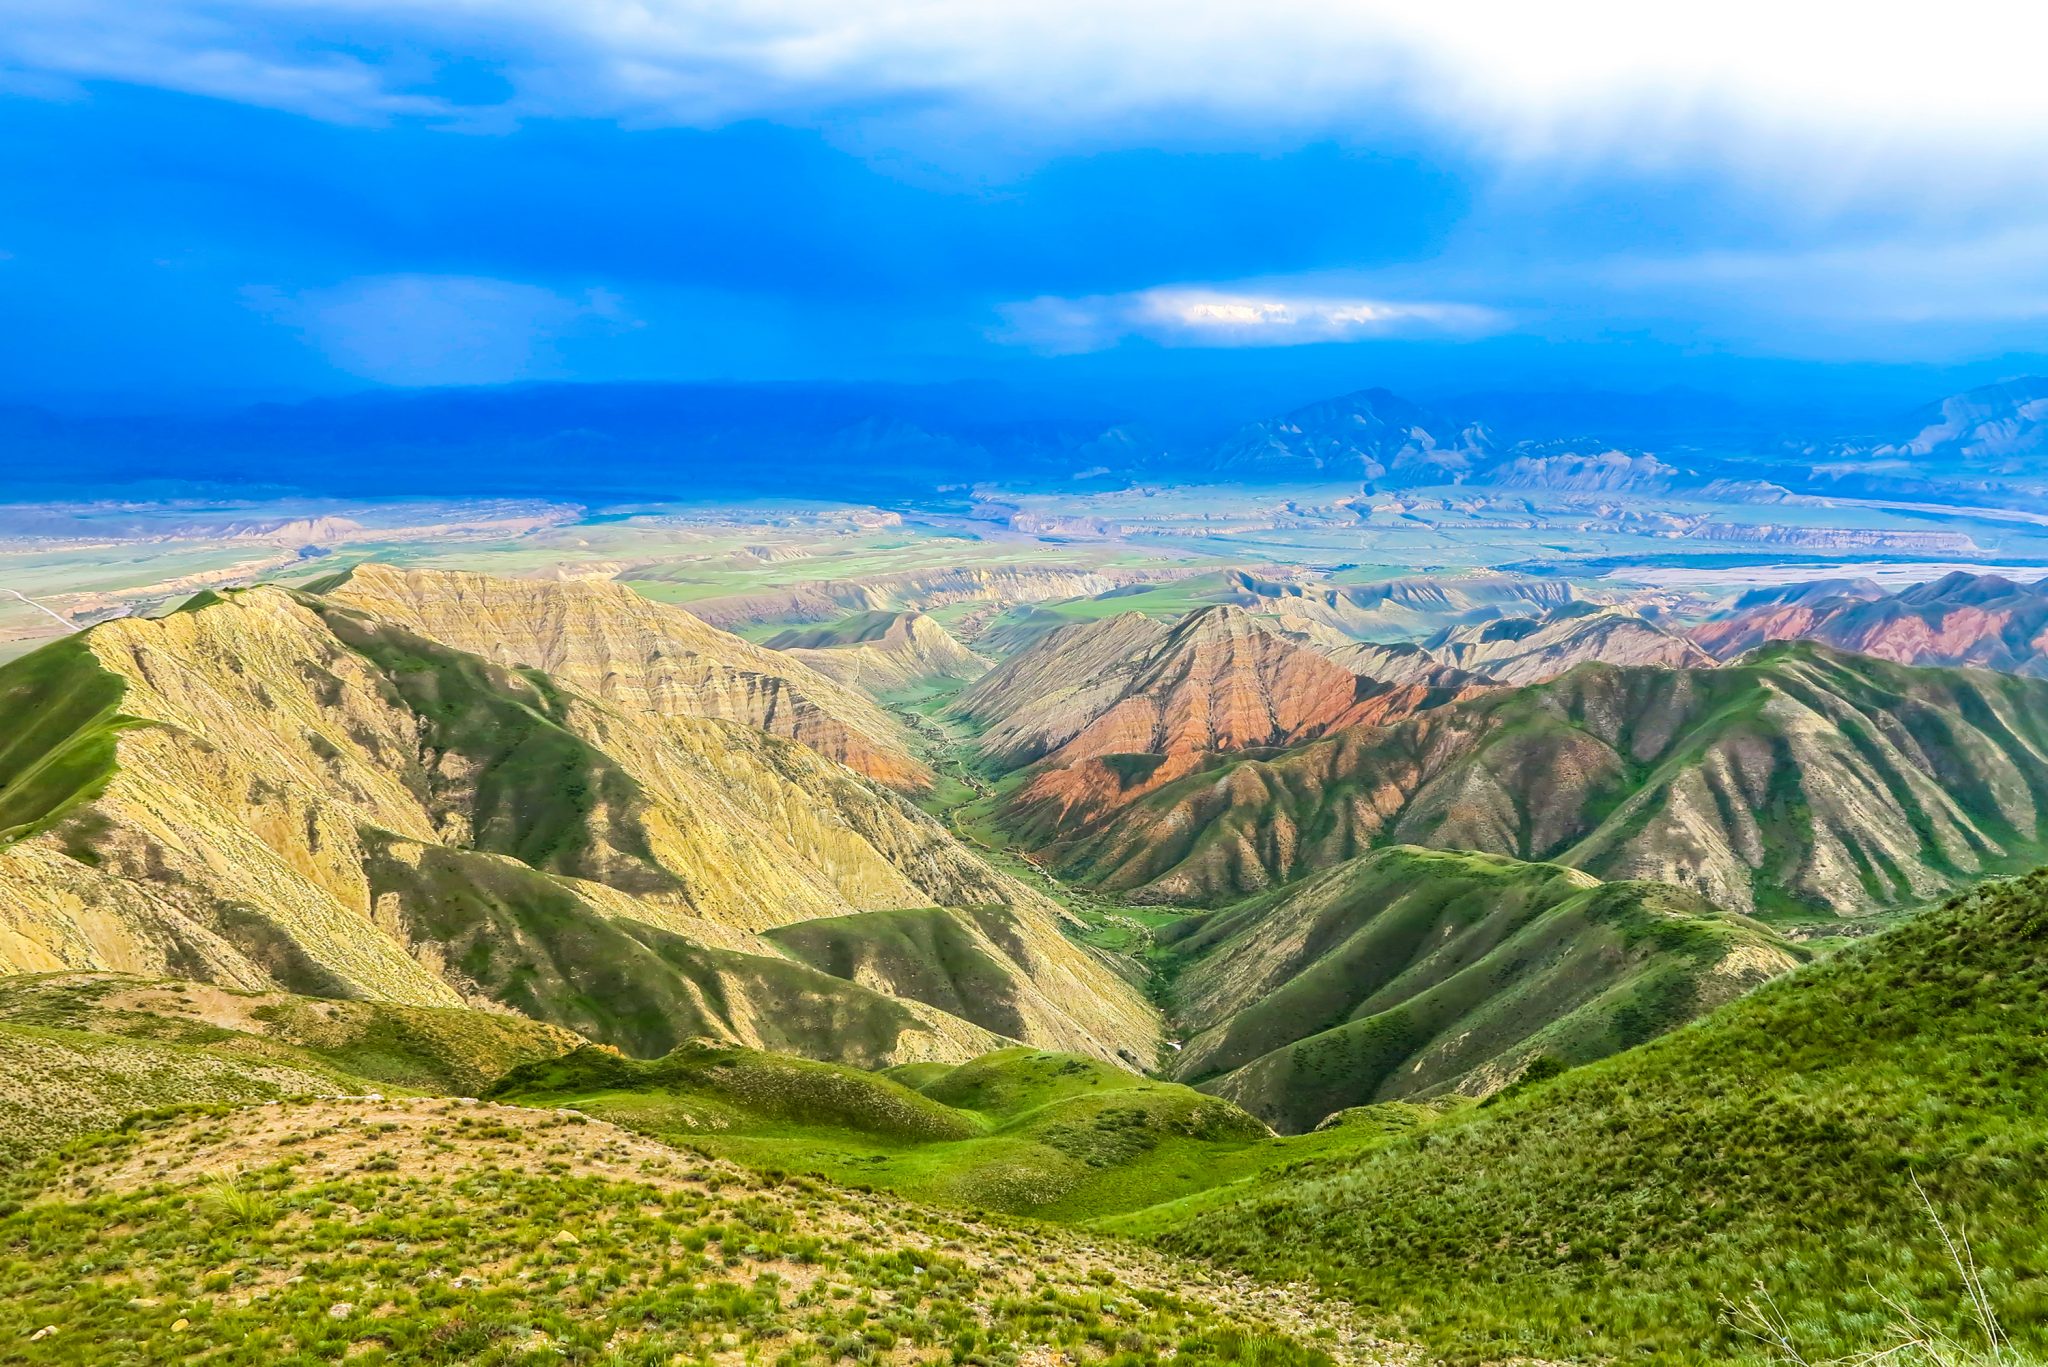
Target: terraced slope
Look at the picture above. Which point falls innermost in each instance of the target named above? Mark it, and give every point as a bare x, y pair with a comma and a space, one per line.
1018, 1130
882, 652
433, 1231
1619, 1211
610, 643
1800, 780
1981, 620
303, 796
1410, 973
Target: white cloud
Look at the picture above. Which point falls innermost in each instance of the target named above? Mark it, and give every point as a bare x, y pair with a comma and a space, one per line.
441, 329
1193, 315
1764, 81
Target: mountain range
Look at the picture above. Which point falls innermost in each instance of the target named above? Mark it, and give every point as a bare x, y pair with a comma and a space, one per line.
626, 441
325, 792
1981, 620
1799, 777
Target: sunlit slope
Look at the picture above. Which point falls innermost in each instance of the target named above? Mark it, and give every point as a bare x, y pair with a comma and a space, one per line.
1618, 1210
1410, 972
1018, 1130
1800, 779
291, 793
80, 1052
613, 644
433, 1231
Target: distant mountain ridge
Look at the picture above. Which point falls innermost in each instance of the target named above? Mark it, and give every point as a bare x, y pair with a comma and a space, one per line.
1981, 620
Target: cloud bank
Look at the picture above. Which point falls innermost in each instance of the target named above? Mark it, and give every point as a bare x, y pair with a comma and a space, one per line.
1185, 315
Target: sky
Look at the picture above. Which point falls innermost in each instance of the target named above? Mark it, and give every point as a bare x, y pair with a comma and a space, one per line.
216, 202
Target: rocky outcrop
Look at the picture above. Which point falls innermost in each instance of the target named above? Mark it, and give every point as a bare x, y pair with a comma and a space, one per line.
1217, 682
611, 643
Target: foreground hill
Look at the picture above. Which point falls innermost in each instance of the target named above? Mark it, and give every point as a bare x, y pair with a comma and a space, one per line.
81, 1051
1798, 780
1018, 1130
1409, 973
439, 1231
1983, 620
280, 790
1619, 1211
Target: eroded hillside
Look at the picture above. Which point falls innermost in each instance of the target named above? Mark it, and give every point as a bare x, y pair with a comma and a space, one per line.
282, 790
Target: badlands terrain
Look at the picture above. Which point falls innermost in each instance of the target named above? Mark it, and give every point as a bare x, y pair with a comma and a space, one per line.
990, 934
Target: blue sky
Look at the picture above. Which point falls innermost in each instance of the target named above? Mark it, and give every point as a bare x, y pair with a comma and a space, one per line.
276, 197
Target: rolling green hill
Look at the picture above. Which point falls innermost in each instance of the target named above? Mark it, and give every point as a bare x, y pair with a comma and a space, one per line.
1411, 972
80, 1051
1020, 1131
1772, 1148
429, 1231
1799, 782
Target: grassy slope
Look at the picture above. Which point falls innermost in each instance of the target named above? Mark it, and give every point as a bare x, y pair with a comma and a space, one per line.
1021, 1131
433, 1232
62, 714
420, 1048
1609, 1211
534, 944
927, 954
539, 791
1410, 972
79, 1052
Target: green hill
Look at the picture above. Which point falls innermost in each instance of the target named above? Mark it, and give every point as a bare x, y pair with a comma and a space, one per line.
80, 1051
429, 1231
1613, 1212
1411, 972
1019, 1130
1800, 781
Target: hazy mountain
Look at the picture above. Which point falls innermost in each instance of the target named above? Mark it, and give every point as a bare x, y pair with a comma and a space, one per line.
1997, 429
1983, 620
1532, 649
1371, 435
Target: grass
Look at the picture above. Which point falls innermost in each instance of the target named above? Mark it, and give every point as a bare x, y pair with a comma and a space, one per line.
432, 1232
1020, 1131
532, 789
1412, 972
535, 945
63, 714
417, 1048
1605, 1212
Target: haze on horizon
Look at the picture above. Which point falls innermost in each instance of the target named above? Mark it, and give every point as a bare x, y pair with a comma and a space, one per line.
213, 201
